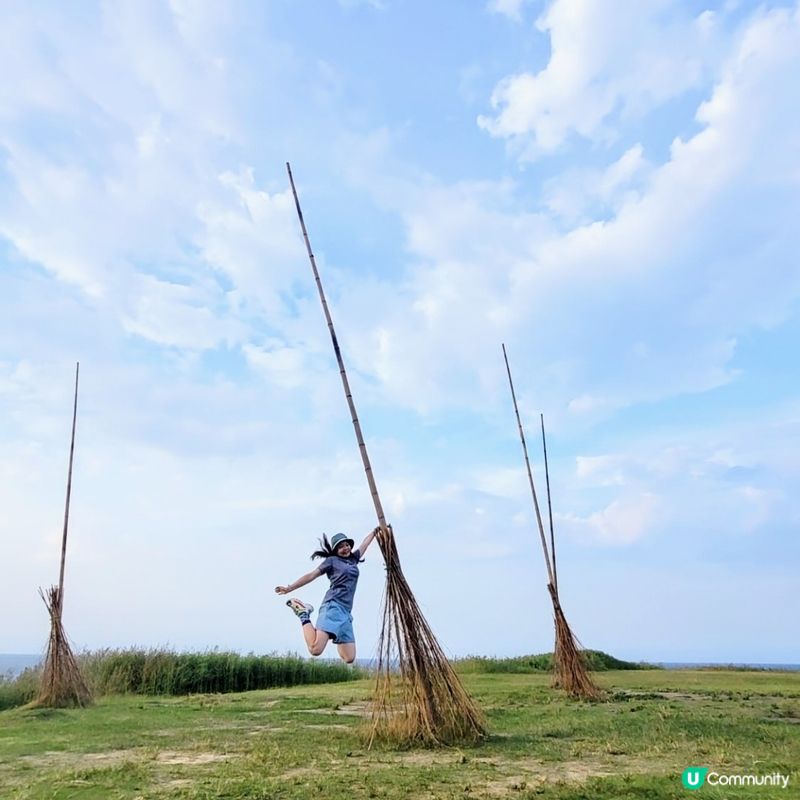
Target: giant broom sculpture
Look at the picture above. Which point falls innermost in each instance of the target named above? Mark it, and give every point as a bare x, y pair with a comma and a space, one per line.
62, 682
569, 668
426, 703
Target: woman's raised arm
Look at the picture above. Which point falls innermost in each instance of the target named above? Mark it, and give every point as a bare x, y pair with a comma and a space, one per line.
369, 537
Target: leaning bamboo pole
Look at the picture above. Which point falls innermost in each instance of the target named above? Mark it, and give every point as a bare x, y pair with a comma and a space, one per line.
547, 561
428, 703
549, 509
569, 666
62, 682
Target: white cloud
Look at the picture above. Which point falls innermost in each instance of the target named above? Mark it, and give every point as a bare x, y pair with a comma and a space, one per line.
575, 196
676, 488
624, 521
252, 238
508, 8
282, 365
179, 316
602, 62
759, 506
603, 470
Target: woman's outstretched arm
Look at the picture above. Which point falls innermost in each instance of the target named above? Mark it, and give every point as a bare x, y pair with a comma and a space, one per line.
368, 539
307, 578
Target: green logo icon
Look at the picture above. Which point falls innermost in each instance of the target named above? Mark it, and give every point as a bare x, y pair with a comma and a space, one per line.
694, 777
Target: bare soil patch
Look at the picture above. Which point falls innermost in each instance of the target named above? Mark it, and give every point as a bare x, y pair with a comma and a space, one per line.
192, 759
327, 726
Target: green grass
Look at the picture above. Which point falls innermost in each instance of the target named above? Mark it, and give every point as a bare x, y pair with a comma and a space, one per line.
301, 742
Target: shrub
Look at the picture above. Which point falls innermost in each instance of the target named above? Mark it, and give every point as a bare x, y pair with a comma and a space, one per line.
159, 671
21, 689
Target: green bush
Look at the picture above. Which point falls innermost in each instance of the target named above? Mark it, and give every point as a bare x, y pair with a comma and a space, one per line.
165, 672
153, 672
20, 690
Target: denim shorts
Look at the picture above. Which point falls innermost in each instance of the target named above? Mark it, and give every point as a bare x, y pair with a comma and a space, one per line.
337, 621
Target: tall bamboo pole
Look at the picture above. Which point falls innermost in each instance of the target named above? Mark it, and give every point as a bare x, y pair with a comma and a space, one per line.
530, 473
362, 447
549, 509
69, 492
430, 705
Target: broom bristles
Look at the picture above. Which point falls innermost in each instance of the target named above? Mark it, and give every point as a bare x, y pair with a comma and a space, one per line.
419, 699
570, 671
63, 685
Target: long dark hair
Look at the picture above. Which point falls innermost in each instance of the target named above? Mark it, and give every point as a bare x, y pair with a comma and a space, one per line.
325, 551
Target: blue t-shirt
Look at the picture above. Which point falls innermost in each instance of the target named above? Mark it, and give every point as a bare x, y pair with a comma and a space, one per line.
343, 575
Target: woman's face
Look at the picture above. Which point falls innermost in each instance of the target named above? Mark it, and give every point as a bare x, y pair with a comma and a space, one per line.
343, 550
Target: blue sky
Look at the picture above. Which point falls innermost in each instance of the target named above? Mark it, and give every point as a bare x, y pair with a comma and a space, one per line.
611, 189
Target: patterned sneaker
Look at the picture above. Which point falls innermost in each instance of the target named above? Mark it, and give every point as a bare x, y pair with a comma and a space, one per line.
299, 607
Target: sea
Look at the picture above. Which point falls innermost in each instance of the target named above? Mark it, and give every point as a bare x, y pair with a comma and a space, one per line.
12, 664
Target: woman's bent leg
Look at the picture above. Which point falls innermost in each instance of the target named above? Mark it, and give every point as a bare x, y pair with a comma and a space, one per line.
316, 640
347, 652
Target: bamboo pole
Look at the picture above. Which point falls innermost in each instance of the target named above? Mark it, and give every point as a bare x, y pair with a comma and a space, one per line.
362, 447
428, 704
549, 509
62, 683
530, 473
569, 668
69, 492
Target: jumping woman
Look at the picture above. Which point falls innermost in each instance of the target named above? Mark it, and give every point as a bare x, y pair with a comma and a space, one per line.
334, 620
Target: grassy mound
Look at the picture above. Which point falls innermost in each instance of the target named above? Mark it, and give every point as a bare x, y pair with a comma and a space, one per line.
597, 661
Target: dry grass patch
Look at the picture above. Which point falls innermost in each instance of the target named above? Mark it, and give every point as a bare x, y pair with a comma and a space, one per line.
59, 759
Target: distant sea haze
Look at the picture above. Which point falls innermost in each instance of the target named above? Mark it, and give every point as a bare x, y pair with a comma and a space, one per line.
11, 664
723, 664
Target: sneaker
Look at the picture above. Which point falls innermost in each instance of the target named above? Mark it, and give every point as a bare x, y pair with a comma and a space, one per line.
299, 607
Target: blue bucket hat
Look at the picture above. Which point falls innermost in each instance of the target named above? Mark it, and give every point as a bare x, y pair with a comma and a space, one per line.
338, 538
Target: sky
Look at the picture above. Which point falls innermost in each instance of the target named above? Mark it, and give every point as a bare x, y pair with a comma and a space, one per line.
611, 189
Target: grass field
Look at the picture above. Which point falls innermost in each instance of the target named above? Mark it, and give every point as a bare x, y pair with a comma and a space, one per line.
303, 742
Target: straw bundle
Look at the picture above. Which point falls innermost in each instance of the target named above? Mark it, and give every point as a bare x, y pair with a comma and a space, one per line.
423, 702
570, 672
62, 682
